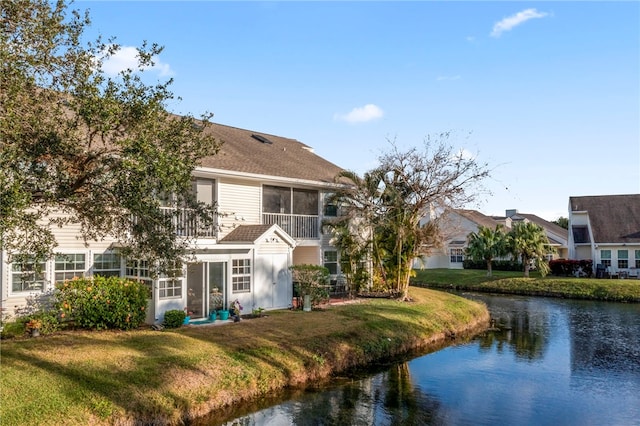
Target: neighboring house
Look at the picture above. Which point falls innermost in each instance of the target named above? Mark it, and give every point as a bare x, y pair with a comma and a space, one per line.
270, 191
606, 229
457, 224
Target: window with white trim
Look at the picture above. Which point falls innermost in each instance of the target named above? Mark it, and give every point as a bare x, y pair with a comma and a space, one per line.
28, 276
456, 255
106, 264
68, 266
170, 288
241, 275
139, 270
637, 258
331, 261
605, 258
170, 285
623, 258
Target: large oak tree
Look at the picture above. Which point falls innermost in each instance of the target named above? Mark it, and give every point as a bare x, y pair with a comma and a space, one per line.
78, 146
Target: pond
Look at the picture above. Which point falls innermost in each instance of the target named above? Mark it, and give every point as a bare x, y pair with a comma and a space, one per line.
548, 361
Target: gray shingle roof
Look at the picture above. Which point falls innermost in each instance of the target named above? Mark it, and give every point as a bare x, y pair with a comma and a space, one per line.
282, 157
613, 218
478, 218
555, 228
245, 234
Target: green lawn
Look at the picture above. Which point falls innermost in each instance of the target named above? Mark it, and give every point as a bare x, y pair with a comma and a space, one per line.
151, 377
514, 283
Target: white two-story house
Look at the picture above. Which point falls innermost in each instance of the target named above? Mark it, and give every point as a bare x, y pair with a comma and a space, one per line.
270, 191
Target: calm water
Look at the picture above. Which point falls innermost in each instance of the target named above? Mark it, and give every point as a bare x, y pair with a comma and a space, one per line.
553, 362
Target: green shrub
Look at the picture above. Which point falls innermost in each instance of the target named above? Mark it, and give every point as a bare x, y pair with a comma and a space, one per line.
11, 329
312, 280
48, 321
174, 318
102, 303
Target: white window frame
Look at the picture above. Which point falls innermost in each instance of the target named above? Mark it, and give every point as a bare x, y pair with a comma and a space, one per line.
39, 277
335, 262
138, 270
71, 267
456, 253
241, 275
98, 266
623, 259
170, 288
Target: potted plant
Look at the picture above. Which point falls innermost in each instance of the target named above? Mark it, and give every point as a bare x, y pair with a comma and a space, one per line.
188, 314
33, 326
215, 303
235, 309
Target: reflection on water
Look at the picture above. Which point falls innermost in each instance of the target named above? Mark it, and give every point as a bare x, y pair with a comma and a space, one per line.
548, 361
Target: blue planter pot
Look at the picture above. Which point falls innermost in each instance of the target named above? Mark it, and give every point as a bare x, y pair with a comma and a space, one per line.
212, 316
224, 315
186, 320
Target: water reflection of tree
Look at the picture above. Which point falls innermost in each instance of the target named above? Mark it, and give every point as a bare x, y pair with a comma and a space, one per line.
522, 331
404, 403
387, 398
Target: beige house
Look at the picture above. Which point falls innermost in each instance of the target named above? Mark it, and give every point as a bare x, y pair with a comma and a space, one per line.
457, 224
606, 228
271, 191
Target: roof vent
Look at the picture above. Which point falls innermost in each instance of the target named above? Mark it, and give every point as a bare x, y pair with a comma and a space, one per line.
261, 139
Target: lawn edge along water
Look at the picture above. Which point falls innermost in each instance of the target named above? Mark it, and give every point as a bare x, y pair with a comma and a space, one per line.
611, 290
174, 377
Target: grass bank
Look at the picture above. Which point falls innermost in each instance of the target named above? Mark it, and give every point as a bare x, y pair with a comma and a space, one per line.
515, 283
151, 377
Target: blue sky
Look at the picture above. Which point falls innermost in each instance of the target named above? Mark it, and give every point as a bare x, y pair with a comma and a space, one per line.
546, 93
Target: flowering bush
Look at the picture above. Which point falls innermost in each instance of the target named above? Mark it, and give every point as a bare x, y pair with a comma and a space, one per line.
102, 303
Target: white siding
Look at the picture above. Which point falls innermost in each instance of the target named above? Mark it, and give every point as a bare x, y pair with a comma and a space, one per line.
240, 200
276, 247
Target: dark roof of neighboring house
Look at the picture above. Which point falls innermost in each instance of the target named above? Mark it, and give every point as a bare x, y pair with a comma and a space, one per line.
492, 221
252, 152
478, 218
245, 234
613, 218
550, 226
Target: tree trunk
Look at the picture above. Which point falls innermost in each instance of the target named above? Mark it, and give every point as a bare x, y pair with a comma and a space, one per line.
525, 262
489, 270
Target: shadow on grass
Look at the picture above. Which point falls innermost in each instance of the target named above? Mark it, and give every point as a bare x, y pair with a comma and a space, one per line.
166, 377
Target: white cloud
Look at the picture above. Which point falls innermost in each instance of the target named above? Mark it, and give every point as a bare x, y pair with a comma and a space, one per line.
127, 57
507, 24
360, 115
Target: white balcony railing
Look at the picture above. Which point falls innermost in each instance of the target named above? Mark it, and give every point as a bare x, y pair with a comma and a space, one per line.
298, 226
187, 226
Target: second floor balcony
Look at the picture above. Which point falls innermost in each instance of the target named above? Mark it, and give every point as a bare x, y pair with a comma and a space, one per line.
298, 226
187, 225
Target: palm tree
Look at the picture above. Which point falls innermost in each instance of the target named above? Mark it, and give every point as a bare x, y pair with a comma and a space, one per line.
487, 244
529, 242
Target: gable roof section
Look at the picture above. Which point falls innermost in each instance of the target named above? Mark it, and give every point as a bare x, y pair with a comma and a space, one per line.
478, 218
547, 226
253, 233
258, 153
613, 218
